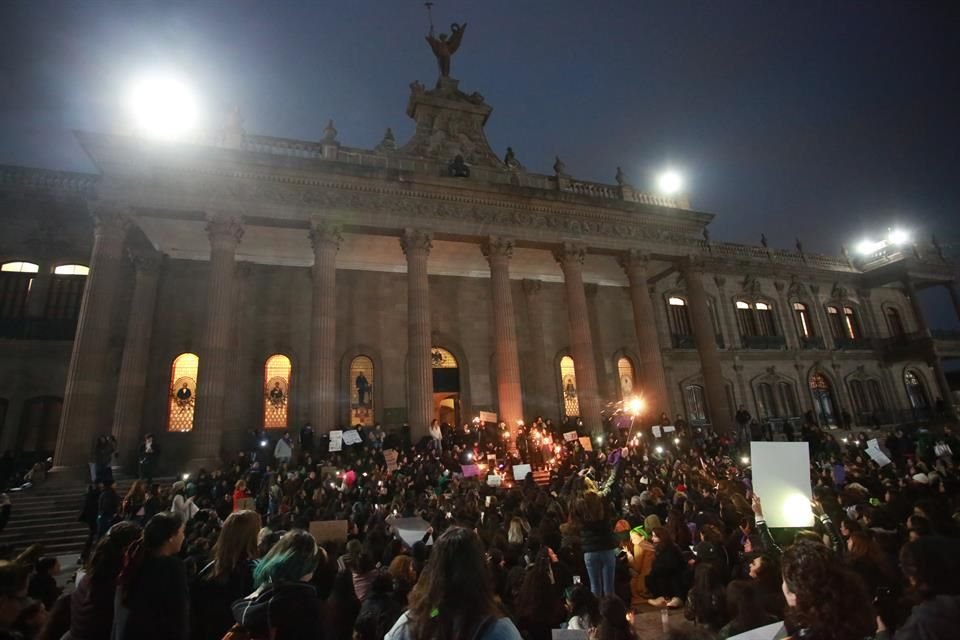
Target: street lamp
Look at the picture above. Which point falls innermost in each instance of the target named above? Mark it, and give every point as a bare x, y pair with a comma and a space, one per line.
898, 236
163, 107
670, 182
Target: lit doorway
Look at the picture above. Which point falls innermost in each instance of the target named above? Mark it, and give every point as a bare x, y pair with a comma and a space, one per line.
446, 386
824, 405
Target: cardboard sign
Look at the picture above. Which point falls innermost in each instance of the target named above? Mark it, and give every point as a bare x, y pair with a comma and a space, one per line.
245, 504
520, 471
390, 456
781, 477
336, 441
656, 431
570, 436
494, 480
329, 530
351, 437
585, 443
488, 416
470, 470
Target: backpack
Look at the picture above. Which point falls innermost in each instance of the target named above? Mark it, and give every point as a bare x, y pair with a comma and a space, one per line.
240, 632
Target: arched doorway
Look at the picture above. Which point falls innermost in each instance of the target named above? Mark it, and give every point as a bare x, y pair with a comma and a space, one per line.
824, 403
446, 386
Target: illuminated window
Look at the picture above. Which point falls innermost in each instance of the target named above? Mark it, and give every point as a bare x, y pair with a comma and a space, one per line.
916, 392
568, 380
742, 305
627, 377
19, 267
183, 392
802, 315
276, 392
71, 270
755, 319
762, 306
679, 317
837, 325
850, 324
696, 401
361, 391
442, 359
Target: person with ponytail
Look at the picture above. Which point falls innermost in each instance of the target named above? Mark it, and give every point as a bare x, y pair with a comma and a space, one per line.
153, 593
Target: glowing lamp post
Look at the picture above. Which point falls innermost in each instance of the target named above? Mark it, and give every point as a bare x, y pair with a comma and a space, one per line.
163, 107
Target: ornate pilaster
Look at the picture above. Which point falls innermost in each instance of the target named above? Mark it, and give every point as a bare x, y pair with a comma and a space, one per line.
570, 256
224, 233
325, 237
416, 246
654, 384
498, 252
86, 399
825, 330
541, 369
128, 410
706, 342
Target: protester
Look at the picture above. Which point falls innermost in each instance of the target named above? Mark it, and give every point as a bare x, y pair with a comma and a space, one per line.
665, 581
43, 582
599, 543
583, 608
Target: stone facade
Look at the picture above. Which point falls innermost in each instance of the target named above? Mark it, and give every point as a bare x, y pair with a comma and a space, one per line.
247, 246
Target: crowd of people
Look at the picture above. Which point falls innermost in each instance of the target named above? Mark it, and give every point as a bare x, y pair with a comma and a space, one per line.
619, 523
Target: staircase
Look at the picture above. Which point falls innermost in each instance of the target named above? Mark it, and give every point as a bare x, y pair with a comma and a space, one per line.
48, 516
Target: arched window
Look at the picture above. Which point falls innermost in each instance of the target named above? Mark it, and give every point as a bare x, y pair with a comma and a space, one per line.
766, 403
894, 322
755, 319
696, 401
183, 392
276, 392
628, 379
568, 384
801, 313
679, 317
844, 324
16, 279
788, 400
916, 391
851, 323
824, 404
361, 391
71, 270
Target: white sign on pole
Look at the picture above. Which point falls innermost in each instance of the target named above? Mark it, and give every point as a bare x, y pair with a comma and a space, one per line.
781, 478
336, 441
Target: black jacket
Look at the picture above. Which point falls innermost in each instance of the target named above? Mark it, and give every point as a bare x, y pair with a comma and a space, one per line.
211, 600
292, 611
597, 535
157, 602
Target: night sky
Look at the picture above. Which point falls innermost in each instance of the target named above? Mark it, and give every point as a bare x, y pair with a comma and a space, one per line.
823, 120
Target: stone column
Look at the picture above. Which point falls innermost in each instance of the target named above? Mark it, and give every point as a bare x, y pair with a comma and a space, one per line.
954, 291
785, 318
128, 410
707, 347
653, 380
224, 233
326, 238
605, 375
921, 321
570, 256
540, 367
825, 330
726, 311
86, 399
498, 252
416, 246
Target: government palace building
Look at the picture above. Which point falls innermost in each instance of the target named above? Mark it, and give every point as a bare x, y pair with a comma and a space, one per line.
203, 288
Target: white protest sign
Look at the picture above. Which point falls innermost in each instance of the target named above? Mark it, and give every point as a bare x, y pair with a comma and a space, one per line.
781, 478
585, 443
469, 470
494, 480
351, 437
520, 471
336, 441
878, 456
656, 431
570, 436
488, 416
669, 428
410, 530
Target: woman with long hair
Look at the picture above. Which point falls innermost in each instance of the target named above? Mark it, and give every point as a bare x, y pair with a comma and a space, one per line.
865, 558
153, 591
583, 607
599, 543
615, 624
227, 578
285, 605
91, 604
454, 596
706, 600
825, 601
665, 581
538, 607
132, 507
745, 609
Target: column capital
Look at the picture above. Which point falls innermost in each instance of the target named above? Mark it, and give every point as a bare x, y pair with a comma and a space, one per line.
325, 234
111, 218
497, 248
570, 253
224, 231
634, 262
415, 241
145, 260
532, 287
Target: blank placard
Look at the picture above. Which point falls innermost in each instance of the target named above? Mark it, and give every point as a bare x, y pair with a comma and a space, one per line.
781, 477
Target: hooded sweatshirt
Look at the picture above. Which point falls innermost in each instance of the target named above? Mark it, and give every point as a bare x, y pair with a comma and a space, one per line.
291, 610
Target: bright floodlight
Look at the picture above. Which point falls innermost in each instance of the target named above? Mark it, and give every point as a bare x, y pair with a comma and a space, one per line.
670, 182
898, 236
163, 107
635, 405
866, 247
